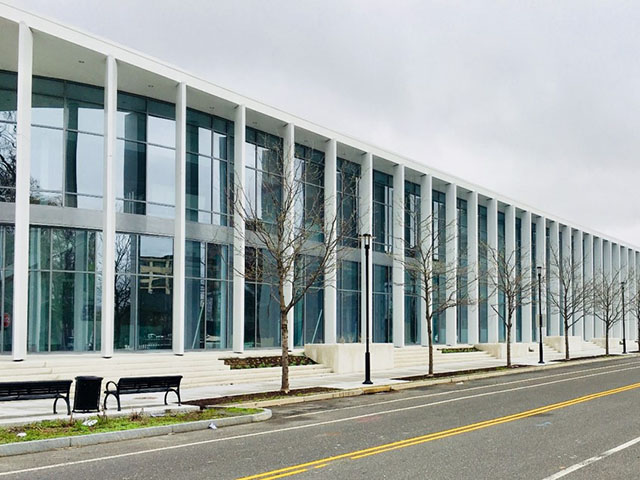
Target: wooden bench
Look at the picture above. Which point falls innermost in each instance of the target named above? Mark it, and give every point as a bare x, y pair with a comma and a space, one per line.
128, 385
32, 390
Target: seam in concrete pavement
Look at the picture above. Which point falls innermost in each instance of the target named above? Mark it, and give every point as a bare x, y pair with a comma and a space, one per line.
35, 446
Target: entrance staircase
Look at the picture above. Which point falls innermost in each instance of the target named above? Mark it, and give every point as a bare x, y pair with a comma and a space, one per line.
418, 356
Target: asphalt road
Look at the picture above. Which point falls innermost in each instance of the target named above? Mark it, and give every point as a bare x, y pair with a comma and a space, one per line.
580, 421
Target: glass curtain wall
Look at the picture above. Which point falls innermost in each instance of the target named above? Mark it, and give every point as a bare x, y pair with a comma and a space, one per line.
518, 335
461, 280
8, 132
6, 287
208, 296
382, 321
208, 176
64, 290
261, 304
411, 217
502, 307
348, 199
348, 321
412, 313
483, 264
67, 145
439, 232
309, 171
143, 292
534, 279
308, 319
145, 169
382, 212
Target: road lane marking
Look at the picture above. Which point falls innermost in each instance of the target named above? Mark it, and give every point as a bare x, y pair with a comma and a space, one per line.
450, 392
359, 454
594, 459
301, 427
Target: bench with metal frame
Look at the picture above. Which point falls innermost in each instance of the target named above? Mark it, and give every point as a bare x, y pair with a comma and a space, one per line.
132, 385
37, 389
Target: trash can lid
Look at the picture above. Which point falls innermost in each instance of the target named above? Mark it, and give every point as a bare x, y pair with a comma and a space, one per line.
88, 377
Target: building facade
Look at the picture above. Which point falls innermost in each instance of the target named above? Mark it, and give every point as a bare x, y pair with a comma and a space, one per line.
117, 232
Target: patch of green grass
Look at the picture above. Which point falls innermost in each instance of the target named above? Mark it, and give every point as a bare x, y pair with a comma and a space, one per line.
72, 427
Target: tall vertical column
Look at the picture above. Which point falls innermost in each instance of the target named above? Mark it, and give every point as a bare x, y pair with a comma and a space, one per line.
633, 291
473, 290
588, 282
492, 271
565, 262
578, 285
398, 256
510, 251
331, 231
636, 264
617, 276
23, 185
179, 240
554, 284
607, 266
109, 206
289, 179
366, 226
240, 121
541, 261
598, 275
425, 231
525, 266
451, 215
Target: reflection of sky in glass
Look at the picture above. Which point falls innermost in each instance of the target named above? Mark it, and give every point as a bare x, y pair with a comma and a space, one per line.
161, 131
46, 158
91, 120
160, 175
89, 164
155, 247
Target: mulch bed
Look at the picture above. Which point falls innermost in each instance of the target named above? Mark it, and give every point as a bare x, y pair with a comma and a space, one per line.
265, 362
457, 373
255, 397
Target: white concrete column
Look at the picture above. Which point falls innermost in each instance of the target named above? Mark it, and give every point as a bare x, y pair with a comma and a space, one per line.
598, 274
628, 292
179, 239
23, 185
109, 206
636, 263
616, 275
240, 120
554, 284
510, 251
331, 226
425, 231
398, 256
289, 179
541, 261
631, 262
525, 265
366, 226
492, 272
473, 318
578, 260
588, 279
565, 257
451, 215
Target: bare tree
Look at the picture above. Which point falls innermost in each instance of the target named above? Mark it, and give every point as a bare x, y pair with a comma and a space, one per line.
295, 244
607, 301
573, 296
516, 286
425, 259
634, 306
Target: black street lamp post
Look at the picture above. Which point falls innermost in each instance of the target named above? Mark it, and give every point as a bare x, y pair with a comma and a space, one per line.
624, 335
366, 242
539, 269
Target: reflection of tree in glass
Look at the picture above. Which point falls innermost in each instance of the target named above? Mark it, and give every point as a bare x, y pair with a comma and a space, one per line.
8, 158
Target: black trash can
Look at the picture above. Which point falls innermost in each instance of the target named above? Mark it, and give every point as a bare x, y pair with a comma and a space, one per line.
87, 396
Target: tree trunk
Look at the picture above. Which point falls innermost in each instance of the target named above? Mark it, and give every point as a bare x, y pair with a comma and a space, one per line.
508, 345
284, 329
430, 334
566, 340
638, 337
606, 339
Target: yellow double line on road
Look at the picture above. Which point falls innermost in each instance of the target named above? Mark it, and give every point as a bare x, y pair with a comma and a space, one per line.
355, 455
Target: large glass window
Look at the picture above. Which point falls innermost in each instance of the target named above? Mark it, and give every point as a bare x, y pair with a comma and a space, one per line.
6, 287
348, 324
348, 198
261, 305
518, 275
145, 172
412, 295
67, 145
209, 151
382, 212
462, 278
534, 279
309, 171
8, 132
439, 232
382, 321
263, 176
411, 217
308, 320
483, 307
502, 306
208, 301
64, 290
143, 292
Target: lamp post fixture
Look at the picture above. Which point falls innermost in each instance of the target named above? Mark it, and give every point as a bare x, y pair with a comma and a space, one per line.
539, 270
624, 336
366, 243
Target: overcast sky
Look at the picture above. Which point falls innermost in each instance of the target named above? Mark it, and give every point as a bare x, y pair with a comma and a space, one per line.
539, 101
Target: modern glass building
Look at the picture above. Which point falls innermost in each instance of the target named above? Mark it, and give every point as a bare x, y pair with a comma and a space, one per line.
117, 232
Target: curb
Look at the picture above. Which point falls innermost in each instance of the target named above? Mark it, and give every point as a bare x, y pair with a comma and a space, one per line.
36, 446
389, 387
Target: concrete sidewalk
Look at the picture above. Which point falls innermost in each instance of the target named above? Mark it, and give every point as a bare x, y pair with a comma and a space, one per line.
21, 412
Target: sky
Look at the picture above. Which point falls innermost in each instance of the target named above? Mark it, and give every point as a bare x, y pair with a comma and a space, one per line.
537, 100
